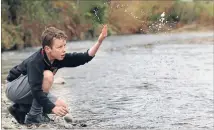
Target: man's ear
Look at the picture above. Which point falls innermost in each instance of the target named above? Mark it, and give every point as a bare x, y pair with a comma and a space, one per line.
47, 49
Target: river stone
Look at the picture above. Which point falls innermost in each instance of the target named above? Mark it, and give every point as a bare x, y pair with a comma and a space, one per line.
7, 127
61, 124
29, 126
43, 126
74, 124
83, 125
68, 118
68, 126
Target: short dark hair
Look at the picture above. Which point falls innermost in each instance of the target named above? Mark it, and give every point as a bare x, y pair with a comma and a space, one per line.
49, 34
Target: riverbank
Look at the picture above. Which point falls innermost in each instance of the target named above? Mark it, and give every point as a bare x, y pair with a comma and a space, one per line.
194, 28
183, 29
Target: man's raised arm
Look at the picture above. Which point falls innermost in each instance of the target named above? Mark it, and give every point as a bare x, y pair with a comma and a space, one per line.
95, 47
77, 59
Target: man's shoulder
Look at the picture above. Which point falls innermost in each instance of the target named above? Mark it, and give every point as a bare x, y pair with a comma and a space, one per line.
35, 58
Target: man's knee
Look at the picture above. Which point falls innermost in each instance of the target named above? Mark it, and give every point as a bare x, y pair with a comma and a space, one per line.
47, 80
48, 76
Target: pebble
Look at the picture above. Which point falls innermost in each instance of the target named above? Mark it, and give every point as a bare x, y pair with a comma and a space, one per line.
61, 124
68, 126
68, 118
83, 125
74, 124
31, 126
43, 126
7, 127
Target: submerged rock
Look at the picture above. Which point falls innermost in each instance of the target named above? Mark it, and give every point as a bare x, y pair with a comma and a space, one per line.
59, 80
83, 125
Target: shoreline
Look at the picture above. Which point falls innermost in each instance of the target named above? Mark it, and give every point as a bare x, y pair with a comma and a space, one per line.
191, 28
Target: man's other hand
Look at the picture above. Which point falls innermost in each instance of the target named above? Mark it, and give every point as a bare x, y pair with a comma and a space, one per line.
60, 111
60, 102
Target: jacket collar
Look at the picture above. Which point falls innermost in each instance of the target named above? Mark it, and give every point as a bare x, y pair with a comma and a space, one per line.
46, 60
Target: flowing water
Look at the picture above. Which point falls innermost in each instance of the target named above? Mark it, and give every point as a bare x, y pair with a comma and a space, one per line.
139, 81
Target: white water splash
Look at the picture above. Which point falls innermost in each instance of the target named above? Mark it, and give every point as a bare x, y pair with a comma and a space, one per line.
163, 14
158, 26
95, 12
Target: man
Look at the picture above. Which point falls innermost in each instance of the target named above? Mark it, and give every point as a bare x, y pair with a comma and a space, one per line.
29, 82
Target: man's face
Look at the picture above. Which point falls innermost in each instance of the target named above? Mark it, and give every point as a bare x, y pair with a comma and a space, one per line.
58, 49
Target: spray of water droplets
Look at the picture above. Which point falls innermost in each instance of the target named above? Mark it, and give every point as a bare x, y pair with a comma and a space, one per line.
95, 12
161, 25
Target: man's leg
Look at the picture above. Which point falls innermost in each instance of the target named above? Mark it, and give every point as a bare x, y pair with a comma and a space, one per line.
19, 92
46, 85
35, 114
15, 91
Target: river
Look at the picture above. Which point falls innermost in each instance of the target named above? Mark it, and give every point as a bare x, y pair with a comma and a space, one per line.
162, 81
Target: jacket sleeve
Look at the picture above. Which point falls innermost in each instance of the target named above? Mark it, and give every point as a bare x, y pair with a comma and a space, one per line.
75, 59
14, 73
35, 79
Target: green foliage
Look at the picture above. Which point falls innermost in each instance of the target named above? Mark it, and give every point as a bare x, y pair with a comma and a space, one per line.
189, 12
11, 36
154, 17
24, 20
41, 10
95, 13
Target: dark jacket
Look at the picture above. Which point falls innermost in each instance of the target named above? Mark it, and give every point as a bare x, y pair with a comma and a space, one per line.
34, 67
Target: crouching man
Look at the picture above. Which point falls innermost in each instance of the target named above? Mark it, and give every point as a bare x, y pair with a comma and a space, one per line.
28, 83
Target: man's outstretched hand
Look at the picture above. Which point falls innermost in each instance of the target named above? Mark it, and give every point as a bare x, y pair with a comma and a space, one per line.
95, 47
103, 34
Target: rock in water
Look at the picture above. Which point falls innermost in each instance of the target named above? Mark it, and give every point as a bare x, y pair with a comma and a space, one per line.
68, 118
59, 81
83, 125
74, 124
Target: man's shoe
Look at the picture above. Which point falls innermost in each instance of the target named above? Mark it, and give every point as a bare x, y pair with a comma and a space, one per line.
36, 119
47, 119
17, 114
